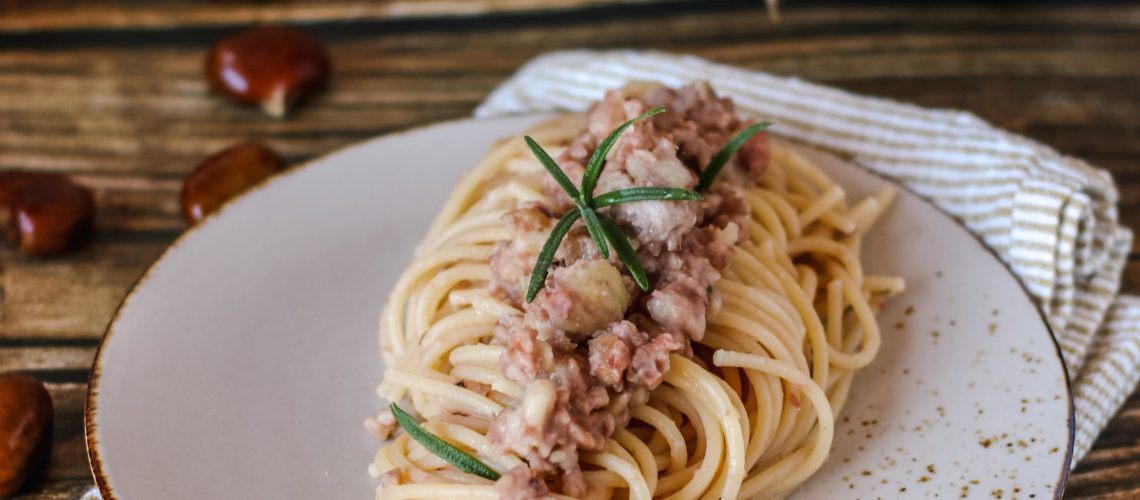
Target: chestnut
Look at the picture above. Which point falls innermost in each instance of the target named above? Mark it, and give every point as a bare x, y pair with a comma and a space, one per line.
45, 213
273, 66
26, 415
225, 175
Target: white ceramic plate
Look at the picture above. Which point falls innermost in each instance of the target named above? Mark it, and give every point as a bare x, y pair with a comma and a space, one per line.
244, 361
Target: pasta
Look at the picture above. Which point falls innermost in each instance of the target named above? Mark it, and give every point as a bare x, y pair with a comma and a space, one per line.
747, 412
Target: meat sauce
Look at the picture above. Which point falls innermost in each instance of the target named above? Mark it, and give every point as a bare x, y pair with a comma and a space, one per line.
592, 344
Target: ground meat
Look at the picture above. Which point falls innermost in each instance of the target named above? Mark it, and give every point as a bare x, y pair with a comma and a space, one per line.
659, 168
628, 332
724, 204
714, 245
579, 389
612, 180
681, 295
621, 403
590, 346
524, 356
654, 329
609, 357
658, 224
513, 259
622, 352
611, 350
651, 361
700, 123
559, 200
520, 483
550, 426
679, 306
754, 156
611, 110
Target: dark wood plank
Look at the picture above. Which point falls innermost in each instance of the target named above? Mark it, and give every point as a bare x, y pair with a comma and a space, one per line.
69, 298
68, 14
134, 14
1112, 469
128, 113
1131, 282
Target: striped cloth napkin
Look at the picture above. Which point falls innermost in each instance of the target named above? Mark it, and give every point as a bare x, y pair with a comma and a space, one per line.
1052, 219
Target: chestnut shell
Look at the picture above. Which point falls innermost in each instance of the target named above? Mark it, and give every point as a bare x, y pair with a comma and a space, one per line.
26, 417
45, 213
272, 66
225, 175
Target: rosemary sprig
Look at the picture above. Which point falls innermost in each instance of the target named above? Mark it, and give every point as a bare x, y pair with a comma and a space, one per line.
546, 256
454, 456
598, 159
625, 252
590, 218
708, 175
603, 230
645, 193
555, 171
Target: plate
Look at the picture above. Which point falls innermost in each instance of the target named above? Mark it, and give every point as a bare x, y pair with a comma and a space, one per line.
244, 360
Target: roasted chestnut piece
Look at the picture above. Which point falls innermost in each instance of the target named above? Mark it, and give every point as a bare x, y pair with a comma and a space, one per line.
273, 66
44, 213
225, 175
26, 415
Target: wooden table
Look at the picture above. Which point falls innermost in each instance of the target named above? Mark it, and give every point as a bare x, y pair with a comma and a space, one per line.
111, 91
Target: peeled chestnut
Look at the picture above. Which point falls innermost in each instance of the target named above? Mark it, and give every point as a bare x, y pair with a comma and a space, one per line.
45, 213
225, 175
273, 66
26, 415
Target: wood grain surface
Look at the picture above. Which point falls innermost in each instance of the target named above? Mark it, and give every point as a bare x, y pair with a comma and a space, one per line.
94, 89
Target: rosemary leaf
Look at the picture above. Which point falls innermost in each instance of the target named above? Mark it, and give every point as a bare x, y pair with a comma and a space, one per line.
625, 251
598, 159
552, 167
718, 162
546, 255
595, 229
454, 456
645, 194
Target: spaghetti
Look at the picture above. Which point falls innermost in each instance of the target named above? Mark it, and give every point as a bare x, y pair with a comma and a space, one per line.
747, 411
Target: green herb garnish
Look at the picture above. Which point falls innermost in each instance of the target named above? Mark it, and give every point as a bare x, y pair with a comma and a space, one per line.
603, 230
645, 193
460, 459
546, 256
625, 252
721, 159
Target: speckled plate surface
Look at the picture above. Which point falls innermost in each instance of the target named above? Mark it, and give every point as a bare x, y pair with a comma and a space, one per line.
243, 362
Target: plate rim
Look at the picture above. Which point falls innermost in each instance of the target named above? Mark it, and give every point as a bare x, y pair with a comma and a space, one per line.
90, 407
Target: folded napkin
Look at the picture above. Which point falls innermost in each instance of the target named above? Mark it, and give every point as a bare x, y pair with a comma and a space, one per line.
1052, 219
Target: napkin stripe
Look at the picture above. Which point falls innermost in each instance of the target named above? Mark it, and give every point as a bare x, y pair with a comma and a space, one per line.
1052, 219
1097, 393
